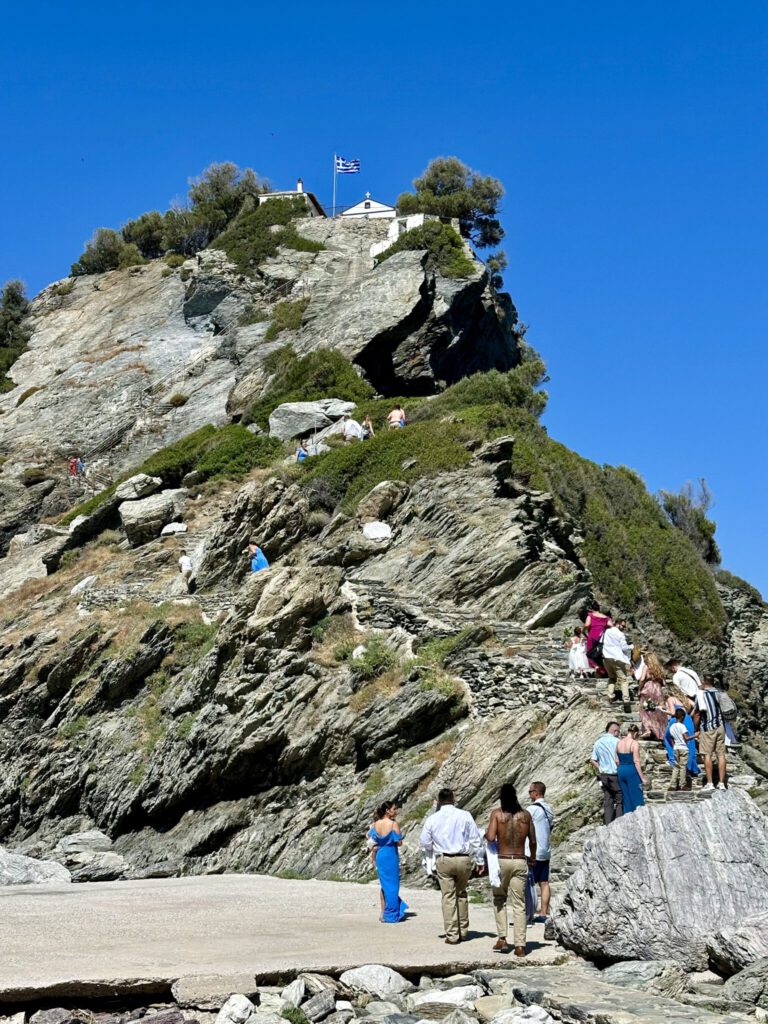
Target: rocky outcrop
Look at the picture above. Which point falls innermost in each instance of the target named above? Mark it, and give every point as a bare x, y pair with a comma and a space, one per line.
144, 519
295, 419
16, 869
408, 328
668, 883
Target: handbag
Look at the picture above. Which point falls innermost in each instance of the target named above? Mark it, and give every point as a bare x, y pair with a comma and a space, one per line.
595, 650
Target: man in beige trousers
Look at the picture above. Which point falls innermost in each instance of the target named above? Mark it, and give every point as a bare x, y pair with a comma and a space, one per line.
616, 651
451, 836
510, 826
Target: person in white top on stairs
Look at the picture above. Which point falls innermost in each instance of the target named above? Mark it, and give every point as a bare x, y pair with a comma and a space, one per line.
455, 841
185, 568
685, 679
616, 650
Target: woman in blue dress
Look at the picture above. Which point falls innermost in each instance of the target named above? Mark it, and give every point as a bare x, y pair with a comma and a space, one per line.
386, 837
631, 778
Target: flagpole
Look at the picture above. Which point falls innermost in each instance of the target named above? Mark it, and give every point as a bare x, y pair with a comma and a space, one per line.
333, 211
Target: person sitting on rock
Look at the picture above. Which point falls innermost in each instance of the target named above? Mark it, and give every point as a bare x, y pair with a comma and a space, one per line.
368, 430
257, 556
510, 826
352, 431
303, 452
397, 417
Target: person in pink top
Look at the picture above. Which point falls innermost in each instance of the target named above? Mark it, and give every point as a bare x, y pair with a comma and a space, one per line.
595, 625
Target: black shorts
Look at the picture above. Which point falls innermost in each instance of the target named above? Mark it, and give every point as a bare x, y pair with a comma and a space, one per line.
540, 871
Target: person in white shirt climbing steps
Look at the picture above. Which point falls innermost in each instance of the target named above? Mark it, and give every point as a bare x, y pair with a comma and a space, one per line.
616, 652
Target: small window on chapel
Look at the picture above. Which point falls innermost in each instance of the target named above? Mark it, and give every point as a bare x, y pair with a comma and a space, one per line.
367, 205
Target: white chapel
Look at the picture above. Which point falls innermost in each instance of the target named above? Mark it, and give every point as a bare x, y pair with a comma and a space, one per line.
370, 209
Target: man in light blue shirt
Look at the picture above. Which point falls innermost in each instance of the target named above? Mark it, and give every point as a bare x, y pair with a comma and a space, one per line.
604, 762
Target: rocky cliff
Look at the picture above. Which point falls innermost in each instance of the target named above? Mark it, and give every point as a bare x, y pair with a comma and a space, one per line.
255, 722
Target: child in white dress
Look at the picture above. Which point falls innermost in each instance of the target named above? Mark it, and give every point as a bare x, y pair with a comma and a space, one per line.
578, 664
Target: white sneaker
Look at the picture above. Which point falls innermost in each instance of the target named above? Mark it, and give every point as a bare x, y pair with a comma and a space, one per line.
721, 785
708, 788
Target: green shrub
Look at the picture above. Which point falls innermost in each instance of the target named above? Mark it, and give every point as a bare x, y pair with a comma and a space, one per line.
286, 316
351, 471
252, 315
64, 287
377, 658
637, 558
733, 582
27, 394
102, 253
216, 453
34, 475
294, 1015
249, 240
146, 233
14, 334
323, 373
445, 248
177, 400
130, 257
174, 260
291, 239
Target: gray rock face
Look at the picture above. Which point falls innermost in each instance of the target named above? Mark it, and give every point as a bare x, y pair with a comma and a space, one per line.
734, 946
378, 980
383, 499
209, 992
293, 419
238, 1009
750, 985
90, 858
137, 487
663, 976
668, 883
144, 519
16, 869
407, 327
320, 1006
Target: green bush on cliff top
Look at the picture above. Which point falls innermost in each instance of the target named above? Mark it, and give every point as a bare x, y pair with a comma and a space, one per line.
445, 248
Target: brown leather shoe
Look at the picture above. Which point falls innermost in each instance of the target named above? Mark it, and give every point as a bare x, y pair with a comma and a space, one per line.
519, 950
452, 942
500, 946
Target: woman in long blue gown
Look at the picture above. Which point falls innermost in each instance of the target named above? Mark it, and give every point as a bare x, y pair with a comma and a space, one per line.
630, 776
386, 837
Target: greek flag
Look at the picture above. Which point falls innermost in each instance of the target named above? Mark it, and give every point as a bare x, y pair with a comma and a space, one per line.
347, 166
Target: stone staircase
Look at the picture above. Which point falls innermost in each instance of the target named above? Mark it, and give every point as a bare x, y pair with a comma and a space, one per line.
656, 767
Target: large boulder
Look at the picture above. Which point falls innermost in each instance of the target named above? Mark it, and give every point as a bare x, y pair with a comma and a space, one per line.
750, 985
292, 419
672, 883
90, 857
144, 519
377, 980
16, 869
137, 487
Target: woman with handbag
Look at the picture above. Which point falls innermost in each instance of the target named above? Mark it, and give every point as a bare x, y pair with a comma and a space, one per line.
595, 625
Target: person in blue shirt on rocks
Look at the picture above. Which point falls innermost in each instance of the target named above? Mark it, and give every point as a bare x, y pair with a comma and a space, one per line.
303, 452
604, 763
258, 558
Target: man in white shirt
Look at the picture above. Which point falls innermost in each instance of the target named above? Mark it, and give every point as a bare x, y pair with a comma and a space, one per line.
543, 817
452, 837
352, 430
616, 660
685, 679
185, 568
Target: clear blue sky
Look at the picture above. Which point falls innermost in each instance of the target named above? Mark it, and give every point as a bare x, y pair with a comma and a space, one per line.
632, 141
